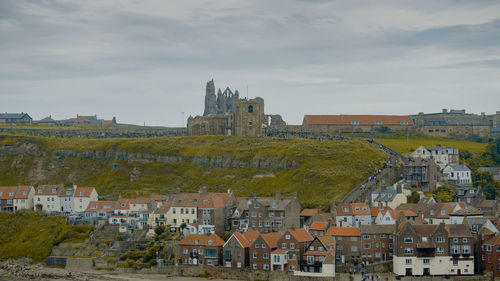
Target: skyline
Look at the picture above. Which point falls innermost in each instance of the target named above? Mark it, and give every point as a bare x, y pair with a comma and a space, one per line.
149, 61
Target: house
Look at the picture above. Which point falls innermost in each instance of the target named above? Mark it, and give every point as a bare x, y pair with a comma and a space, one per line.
319, 228
306, 214
201, 249
15, 118
24, 198
440, 212
183, 209
47, 199
426, 249
471, 196
291, 246
83, 196
458, 174
261, 248
352, 214
442, 155
319, 217
391, 196
377, 242
140, 204
266, 214
67, 200
490, 255
421, 173
7, 195
236, 250
159, 216
488, 207
319, 257
389, 216
348, 243
427, 200
99, 210
469, 212
122, 207
215, 210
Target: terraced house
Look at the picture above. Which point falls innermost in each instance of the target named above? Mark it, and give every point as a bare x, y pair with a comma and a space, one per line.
236, 251
423, 249
261, 248
319, 256
266, 214
348, 241
377, 242
215, 210
47, 199
201, 249
24, 198
7, 194
352, 215
291, 247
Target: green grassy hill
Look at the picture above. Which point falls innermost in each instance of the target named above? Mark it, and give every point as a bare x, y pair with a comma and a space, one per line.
318, 171
399, 143
31, 234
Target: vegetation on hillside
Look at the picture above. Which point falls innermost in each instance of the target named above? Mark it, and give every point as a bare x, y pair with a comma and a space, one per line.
399, 143
32, 234
321, 170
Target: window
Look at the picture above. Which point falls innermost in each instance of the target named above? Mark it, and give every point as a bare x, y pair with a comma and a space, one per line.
455, 249
464, 240
266, 256
250, 109
354, 122
292, 245
255, 266
466, 249
310, 259
185, 251
311, 248
250, 124
266, 267
455, 240
287, 236
366, 236
408, 239
283, 245
263, 246
291, 256
377, 122
366, 246
256, 246
408, 251
277, 258
354, 249
426, 261
440, 239
354, 238
408, 261
255, 255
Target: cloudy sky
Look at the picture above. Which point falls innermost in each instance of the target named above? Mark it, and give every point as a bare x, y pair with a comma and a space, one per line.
149, 61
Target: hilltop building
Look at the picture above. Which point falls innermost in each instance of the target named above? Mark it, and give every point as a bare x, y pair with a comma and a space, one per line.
15, 118
226, 114
355, 123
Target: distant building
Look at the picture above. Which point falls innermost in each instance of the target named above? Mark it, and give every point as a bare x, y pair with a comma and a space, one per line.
421, 173
15, 118
453, 123
442, 155
458, 174
355, 123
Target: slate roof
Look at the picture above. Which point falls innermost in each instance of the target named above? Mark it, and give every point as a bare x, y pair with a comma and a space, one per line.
13, 115
459, 167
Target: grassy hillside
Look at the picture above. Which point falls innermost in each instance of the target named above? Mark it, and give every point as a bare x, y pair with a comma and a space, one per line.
31, 234
318, 172
399, 144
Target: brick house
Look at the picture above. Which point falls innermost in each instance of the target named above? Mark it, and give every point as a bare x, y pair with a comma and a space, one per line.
306, 214
266, 214
491, 255
236, 250
319, 228
421, 173
485, 235
377, 242
319, 253
291, 247
261, 248
201, 249
424, 249
215, 210
348, 242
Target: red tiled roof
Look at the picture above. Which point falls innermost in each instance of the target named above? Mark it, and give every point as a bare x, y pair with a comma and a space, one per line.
251, 235
202, 239
20, 194
83, 191
309, 212
318, 226
6, 192
47, 189
301, 235
343, 231
100, 205
323, 120
122, 204
272, 238
242, 239
140, 200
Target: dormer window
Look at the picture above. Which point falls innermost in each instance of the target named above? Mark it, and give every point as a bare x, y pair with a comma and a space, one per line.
25, 192
377, 122
209, 242
54, 190
364, 209
404, 123
356, 208
443, 212
354, 122
11, 193
94, 207
40, 191
68, 192
345, 209
196, 242
81, 193
122, 204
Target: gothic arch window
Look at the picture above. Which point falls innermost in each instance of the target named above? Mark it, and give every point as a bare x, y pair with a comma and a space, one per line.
250, 109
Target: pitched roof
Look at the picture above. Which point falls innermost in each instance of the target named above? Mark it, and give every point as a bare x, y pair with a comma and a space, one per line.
140, 200
323, 119
186, 200
272, 238
326, 239
13, 115
202, 239
343, 231
301, 235
458, 230
83, 191
122, 204
95, 206
378, 228
353, 209
242, 239
8, 192
495, 241
309, 212
23, 192
48, 189
251, 235
318, 226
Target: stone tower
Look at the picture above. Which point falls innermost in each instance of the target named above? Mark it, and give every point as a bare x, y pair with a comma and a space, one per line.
210, 99
249, 118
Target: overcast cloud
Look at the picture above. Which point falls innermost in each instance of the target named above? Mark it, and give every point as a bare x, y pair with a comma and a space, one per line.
148, 61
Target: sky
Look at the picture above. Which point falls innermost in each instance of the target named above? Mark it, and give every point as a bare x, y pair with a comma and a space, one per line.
147, 62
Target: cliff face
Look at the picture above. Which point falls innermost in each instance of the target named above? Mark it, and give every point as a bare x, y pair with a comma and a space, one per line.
318, 171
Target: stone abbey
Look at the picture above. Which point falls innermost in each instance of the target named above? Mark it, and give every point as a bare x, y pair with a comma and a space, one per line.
229, 115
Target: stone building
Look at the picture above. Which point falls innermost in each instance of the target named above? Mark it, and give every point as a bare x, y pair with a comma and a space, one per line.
355, 123
453, 123
15, 118
422, 174
226, 114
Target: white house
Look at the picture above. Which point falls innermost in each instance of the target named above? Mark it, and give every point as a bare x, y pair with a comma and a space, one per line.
83, 196
442, 155
66, 197
353, 214
459, 174
47, 199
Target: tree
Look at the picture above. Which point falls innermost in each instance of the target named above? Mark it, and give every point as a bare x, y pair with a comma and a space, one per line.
490, 191
226, 236
414, 197
444, 194
183, 225
159, 229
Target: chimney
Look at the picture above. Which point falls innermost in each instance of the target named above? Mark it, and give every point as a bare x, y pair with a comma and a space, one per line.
380, 205
399, 188
202, 191
445, 110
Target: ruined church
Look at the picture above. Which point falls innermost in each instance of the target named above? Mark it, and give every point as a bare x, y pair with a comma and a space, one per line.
229, 115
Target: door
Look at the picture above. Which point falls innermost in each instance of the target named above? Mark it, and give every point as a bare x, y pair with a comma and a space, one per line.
409, 272
427, 271
459, 272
